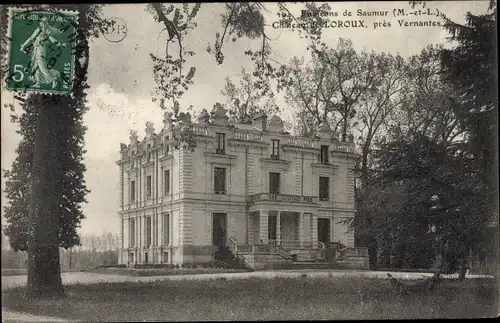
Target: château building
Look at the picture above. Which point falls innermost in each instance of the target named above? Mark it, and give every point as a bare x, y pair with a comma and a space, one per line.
242, 186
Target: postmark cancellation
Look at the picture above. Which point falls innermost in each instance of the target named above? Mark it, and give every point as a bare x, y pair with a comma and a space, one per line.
42, 51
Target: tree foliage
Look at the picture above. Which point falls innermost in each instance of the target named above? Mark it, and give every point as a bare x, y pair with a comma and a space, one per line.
251, 96
431, 187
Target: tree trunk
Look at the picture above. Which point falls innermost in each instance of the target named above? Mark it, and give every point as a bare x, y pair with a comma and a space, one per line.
44, 272
344, 128
364, 168
462, 270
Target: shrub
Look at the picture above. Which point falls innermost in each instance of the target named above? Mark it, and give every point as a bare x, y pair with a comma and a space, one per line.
156, 266
113, 266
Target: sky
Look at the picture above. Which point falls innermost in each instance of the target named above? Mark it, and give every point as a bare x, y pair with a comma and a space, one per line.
122, 84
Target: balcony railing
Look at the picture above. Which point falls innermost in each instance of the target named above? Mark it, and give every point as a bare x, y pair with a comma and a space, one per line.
301, 142
247, 135
345, 147
199, 130
298, 244
353, 252
302, 199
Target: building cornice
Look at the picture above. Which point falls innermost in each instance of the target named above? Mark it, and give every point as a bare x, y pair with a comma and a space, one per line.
248, 143
220, 158
323, 167
299, 149
278, 163
166, 157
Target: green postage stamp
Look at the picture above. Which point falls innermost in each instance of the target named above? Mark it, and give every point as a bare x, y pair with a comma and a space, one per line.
42, 51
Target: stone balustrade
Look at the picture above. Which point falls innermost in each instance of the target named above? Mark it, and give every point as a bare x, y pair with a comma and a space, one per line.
302, 199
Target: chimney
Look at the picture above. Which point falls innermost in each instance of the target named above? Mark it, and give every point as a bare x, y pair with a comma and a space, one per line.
260, 121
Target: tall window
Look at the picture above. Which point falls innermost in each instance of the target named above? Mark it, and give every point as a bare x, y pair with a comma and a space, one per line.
148, 231
155, 229
132, 191
324, 155
276, 149
131, 233
324, 188
166, 229
166, 181
220, 180
221, 143
274, 183
272, 225
149, 186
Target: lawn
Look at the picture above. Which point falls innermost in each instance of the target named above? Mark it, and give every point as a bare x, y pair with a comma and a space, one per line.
331, 298
165, 271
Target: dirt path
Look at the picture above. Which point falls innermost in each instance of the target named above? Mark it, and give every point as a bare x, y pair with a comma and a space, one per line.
89, 278
8, 316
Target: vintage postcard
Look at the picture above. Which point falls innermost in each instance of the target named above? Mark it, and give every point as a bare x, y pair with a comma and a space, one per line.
249, 161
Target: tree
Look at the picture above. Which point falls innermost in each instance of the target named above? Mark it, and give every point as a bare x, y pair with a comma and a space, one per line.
432, 179
470, 68
45, 186
246, 100
378, 104
439, 200
331, 86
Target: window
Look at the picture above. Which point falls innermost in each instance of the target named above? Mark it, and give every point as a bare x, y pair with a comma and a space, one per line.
272, 225
166, 181
166, 229
220, 180
274, 183
276, 149
132, 191
155, 229
131, 233
324, 188
149, 153
149, 186
147, 234
167, 146
221, 143
324, 155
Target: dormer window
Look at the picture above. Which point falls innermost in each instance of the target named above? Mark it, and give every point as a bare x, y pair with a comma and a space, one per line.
324, 155
149, 153
167, 146
221, 143
275, 154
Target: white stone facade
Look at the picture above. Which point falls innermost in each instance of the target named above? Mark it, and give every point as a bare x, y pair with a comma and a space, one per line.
169, 197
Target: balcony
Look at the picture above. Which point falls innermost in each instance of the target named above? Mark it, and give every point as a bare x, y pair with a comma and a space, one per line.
300, 199
345, 147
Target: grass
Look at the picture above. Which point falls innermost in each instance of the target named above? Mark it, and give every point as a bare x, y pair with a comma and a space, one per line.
165, 271
260, 299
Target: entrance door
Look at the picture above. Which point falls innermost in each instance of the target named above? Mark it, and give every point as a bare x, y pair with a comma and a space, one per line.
324, 230
271, 233
219, 229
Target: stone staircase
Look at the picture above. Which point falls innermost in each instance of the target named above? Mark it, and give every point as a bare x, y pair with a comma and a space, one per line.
275, 256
